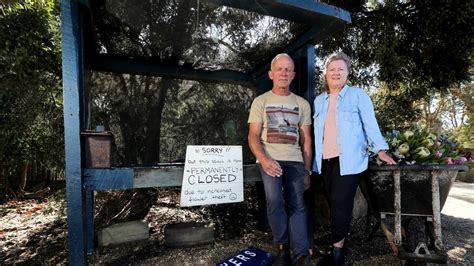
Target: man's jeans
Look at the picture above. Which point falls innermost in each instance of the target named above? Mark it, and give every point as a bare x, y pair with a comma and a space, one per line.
285, 207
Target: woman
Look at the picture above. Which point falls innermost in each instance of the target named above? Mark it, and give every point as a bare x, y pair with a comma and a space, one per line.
344, 128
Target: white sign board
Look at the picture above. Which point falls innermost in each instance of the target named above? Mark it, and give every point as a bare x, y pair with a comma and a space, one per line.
212, 175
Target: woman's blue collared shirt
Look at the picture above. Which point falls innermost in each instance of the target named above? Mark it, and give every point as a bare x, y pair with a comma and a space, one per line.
357, 129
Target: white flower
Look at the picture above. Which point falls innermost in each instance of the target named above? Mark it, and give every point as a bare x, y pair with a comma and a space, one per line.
395, 142
423, 152
428, 142
408, 134
404, 148
432, 136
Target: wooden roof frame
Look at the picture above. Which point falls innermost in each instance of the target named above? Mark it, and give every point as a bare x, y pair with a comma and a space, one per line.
323, 20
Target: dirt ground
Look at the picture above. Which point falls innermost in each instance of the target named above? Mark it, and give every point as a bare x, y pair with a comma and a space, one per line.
34, 232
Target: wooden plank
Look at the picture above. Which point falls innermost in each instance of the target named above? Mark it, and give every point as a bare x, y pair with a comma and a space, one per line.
172, 177
143, 66
158, 177
419, 167
436, 205
303, 11
72, 83
397, 207
143, 177
105, 179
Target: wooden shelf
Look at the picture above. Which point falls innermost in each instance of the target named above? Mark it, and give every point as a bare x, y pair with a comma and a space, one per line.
143, 177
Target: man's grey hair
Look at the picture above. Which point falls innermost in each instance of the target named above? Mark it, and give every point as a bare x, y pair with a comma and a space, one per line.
278, 56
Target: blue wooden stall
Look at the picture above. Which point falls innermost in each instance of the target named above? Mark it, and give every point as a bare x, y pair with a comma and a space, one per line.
80, 58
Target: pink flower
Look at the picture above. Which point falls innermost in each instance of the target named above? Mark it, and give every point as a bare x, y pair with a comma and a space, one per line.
460, 160
449, 160
438, 143
439, 154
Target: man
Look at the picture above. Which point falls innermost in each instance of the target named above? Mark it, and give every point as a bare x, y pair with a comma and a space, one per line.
280, 138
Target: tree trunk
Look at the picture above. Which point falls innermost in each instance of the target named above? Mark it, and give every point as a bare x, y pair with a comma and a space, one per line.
24, 176
3, 185
152, 141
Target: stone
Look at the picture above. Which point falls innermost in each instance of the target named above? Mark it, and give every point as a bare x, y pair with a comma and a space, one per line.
123, 232
188, 234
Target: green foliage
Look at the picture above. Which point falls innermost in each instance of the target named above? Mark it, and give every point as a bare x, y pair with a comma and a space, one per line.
194, 113
413, 47
31, 96
394, 108
464, 133
153, 119
206, 114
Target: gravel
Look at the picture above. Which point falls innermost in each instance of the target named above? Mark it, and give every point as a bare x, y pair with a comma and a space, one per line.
34, 232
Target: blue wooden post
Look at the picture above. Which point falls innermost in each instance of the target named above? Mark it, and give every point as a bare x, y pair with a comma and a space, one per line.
89, 221
304, 85
304, 81
72, 60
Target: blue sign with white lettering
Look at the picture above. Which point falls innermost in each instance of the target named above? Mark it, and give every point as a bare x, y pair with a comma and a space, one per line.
251, 256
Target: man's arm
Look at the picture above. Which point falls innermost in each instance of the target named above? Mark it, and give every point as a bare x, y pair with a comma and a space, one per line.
270, 166
307, 149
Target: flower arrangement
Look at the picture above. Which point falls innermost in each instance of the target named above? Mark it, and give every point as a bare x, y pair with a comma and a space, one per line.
418, 145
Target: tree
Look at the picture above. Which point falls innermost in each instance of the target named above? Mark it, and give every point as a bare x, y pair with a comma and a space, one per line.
209, 38
410, 48
31, 95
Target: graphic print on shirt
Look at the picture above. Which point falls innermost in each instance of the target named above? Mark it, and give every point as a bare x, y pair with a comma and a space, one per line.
282, 123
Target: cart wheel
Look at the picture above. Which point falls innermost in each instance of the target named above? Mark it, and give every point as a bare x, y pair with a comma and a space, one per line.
416, 233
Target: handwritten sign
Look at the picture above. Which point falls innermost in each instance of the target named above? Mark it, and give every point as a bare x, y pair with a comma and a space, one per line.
212, 175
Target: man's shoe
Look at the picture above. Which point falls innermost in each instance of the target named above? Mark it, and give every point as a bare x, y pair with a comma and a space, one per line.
283, 256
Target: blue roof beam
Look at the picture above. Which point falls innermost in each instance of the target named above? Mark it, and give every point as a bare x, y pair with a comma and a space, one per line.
142, 66
302, 11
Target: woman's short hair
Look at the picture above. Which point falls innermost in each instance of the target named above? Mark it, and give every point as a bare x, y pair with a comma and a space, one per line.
333, 57
337, 56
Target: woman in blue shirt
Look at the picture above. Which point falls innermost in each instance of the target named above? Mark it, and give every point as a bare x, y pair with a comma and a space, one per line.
344, 129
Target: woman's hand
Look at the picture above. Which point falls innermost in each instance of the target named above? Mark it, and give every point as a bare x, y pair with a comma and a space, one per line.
386, 158
307, 181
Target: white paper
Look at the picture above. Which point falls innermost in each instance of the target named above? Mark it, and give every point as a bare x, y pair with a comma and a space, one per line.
212, 175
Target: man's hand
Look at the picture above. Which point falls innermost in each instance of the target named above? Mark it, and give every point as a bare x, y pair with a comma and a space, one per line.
307, 181
386, 158
271, 167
